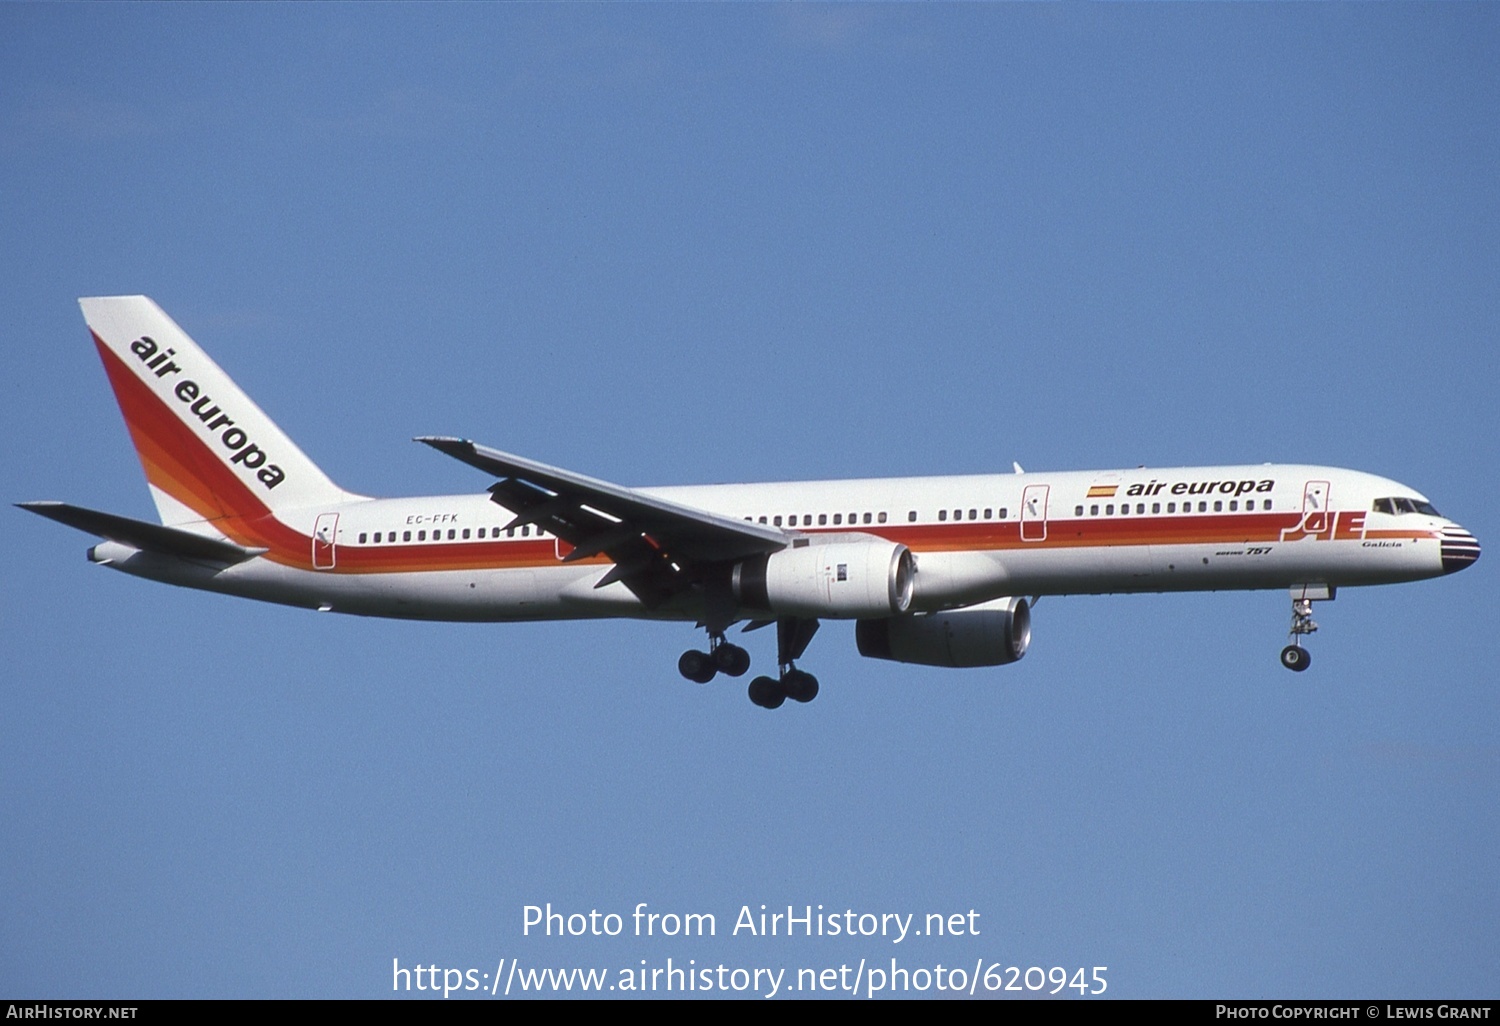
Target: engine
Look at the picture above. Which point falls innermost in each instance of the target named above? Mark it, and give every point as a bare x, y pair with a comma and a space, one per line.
990, 634
842, 580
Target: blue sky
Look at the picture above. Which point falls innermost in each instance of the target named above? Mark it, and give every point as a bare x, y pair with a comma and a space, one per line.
666, 244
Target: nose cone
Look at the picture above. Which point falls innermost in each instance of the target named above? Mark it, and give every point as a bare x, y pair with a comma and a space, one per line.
1460, 548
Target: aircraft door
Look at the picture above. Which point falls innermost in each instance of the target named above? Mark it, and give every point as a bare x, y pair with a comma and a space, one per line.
1034, 513
1315, 508
325, 531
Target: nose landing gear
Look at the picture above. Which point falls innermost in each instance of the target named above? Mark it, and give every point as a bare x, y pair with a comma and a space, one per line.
1294, 656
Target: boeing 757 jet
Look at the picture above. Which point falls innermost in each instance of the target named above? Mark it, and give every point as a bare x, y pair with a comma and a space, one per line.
933, 570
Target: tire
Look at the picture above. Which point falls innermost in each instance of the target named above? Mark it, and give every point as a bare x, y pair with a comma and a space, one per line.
767, 693
1296, 658
801, 686
731, 660
696, 666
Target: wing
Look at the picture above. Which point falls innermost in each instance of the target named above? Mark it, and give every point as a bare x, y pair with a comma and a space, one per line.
658, 547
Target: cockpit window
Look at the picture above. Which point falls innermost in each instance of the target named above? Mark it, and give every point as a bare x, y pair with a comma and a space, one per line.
1403, 505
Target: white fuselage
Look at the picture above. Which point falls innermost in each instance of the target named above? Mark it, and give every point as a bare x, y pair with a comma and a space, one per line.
973, 539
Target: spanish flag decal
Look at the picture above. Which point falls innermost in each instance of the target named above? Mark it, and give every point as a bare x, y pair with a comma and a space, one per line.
1103, 491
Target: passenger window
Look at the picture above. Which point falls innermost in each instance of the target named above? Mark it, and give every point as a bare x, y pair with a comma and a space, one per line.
942, 514
762, 520
1140, 507
406, 536
1078, 511
361, 537
1094, 510
822, 519
880, 518
777, 520
973, 514
1233, 505
466, 534
1002, 512
911, 517
867, 518
838, 518
1171, 507
1109, 510
1156, 507
1218, 505
1202, 507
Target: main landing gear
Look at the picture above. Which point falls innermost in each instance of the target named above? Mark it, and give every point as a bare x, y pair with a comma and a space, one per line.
798, 685
792, 638
721, 657
1294, 656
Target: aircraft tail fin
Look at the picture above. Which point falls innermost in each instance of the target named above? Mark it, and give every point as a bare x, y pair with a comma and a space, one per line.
208, 451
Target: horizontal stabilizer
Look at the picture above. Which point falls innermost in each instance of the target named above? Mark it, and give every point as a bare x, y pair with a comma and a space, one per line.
141, 535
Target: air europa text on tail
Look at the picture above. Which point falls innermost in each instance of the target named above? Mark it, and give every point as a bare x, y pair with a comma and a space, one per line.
233, 438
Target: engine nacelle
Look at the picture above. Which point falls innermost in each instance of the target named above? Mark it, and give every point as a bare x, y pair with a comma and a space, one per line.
842, 580
990, 634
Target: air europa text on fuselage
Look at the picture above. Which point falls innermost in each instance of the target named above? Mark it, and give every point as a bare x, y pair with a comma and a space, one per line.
1201, 487
245, 452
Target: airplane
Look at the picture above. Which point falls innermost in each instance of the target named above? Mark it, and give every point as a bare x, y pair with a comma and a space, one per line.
933, 570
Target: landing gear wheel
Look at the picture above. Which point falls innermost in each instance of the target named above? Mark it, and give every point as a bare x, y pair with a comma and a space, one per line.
767, 693
1295, 657
696, 666
731, 660
800, 686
